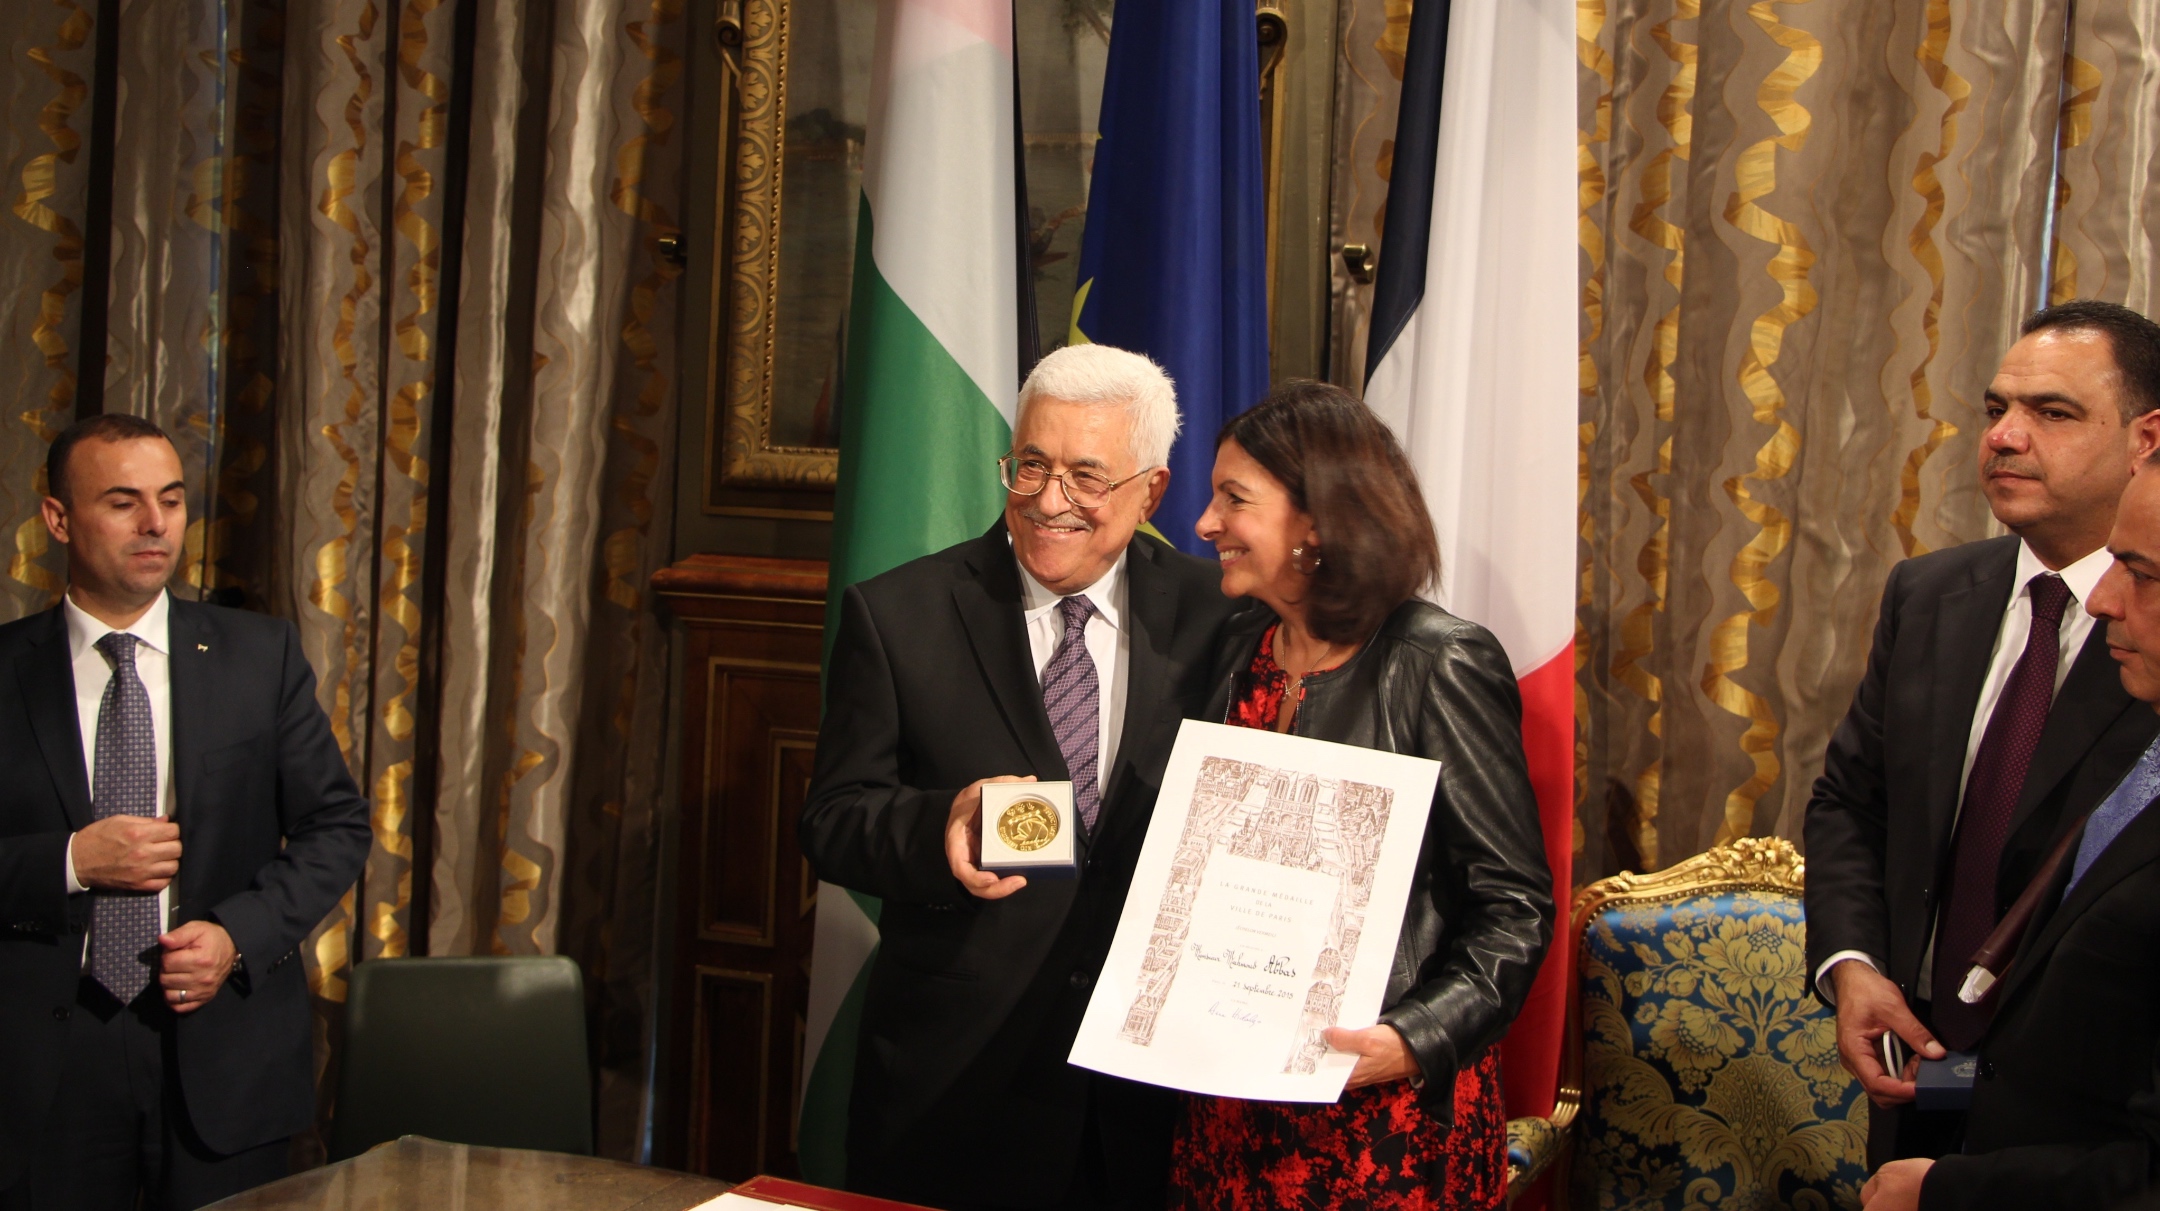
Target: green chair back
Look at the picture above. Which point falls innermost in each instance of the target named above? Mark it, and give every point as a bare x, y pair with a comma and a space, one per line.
1709, 1077
487, 1051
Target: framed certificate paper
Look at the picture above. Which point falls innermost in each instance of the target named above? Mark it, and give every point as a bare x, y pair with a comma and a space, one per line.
1265, 909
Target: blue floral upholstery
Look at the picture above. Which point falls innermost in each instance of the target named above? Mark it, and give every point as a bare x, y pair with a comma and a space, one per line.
1710, 1078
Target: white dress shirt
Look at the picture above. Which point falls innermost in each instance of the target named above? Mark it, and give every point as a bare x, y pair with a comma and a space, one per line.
2081, 578
153, 664
1109, 645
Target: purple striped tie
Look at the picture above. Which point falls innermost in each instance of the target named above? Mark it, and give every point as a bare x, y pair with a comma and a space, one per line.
1073, 696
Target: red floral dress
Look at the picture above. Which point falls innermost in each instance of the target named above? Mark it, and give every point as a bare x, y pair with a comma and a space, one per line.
1374, 1148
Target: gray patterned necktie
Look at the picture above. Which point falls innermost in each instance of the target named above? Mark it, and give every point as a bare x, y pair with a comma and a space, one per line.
124, 925
1073, 696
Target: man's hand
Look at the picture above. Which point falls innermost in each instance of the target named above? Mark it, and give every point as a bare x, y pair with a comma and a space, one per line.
1381, 1054
127, 853
963, 843
198, 957
1895, 1186
1868, 1006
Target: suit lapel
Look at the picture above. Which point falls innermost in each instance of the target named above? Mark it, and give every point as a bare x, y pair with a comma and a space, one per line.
990, 611
1967, 622
1150, 621
2137, 846
46, 676
2091, 700
191, 700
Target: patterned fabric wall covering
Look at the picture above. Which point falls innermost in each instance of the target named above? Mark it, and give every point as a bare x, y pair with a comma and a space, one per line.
1711, 1076
44, 123
1809, 231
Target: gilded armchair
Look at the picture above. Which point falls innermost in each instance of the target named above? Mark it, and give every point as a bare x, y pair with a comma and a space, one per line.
1698, 1072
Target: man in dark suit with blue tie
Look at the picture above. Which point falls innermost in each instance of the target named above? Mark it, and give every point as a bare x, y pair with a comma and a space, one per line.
176, 817
2066, 1097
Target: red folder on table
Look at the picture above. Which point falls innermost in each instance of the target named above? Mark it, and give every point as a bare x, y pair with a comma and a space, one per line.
818, 1198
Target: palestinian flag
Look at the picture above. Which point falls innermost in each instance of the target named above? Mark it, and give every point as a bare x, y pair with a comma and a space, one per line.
932, 376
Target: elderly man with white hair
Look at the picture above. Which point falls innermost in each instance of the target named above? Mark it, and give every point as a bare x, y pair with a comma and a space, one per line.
938, 682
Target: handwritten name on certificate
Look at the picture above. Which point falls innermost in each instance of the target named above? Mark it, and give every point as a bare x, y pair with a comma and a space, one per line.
1265, 908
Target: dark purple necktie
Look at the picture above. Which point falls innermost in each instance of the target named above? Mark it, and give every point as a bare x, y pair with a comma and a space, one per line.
1073, 697
1967, 908
123, 925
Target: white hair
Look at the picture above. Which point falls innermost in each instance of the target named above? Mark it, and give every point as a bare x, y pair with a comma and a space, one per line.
1102, 375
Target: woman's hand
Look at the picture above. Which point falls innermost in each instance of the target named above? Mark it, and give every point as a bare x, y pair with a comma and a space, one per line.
1382, 1054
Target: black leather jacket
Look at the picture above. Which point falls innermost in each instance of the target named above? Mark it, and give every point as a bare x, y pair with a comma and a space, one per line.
1432, 685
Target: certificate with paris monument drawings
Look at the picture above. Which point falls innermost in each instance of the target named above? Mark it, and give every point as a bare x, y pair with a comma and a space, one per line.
1265, 909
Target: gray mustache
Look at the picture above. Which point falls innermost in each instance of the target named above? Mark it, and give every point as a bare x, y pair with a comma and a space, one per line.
1067, 518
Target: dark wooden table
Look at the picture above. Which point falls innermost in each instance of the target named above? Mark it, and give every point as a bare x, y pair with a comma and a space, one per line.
418, 1172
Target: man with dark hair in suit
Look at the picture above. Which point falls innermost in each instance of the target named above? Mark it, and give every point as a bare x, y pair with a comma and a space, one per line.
940, 676
176, 817
1989, 719
2066, 1100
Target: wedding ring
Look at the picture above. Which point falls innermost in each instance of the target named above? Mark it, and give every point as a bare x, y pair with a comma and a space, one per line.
183, 994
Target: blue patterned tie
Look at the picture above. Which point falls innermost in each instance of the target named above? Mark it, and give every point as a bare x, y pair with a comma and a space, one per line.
124, 925
1073, 697
2137, 788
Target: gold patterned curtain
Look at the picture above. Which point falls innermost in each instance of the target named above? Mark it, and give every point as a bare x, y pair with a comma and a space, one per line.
390, 271
2107, 227
46, 90
1809, 230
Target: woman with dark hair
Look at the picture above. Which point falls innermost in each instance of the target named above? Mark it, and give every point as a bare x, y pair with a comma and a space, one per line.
1317, 515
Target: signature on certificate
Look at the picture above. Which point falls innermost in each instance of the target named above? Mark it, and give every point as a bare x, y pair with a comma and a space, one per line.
1245, 960
1236, 1013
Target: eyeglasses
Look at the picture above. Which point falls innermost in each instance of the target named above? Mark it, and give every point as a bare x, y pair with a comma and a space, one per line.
1085, 489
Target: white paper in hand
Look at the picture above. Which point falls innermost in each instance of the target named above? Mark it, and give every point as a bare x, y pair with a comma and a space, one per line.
1265, 908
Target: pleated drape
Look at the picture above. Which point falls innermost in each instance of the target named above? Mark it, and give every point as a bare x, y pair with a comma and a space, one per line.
2107, 229
1810, 229
389, 271
45, 87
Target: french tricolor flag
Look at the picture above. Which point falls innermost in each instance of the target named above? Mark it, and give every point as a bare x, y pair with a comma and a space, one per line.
1472, 360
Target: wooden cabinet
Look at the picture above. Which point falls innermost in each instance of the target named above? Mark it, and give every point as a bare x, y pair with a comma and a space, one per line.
745, 899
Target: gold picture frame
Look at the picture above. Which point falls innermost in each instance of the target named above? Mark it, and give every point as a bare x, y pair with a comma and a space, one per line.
746, 469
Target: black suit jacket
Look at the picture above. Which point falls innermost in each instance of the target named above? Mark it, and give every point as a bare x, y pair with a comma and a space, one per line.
933, 686
272, 832
1880, 821
2066, 1107
1879, 824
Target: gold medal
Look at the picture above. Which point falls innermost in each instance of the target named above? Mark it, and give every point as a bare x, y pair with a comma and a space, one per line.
1027, 824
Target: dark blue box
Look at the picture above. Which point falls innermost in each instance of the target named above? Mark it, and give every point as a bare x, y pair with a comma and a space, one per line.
1947, 1083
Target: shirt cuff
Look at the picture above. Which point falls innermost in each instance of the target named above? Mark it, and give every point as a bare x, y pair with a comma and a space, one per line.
1828, 991
74, 885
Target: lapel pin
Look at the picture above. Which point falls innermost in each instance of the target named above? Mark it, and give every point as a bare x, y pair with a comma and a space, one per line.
202, 647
